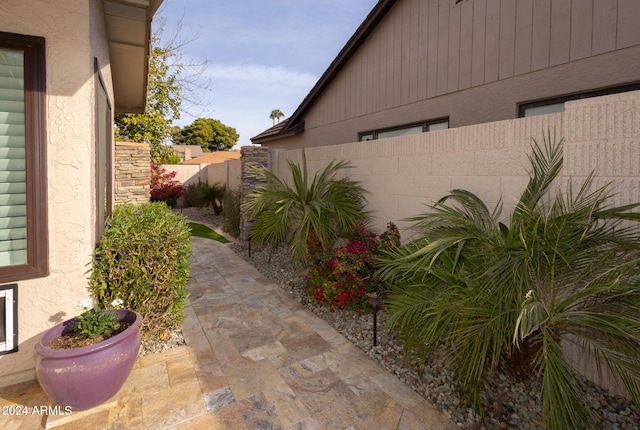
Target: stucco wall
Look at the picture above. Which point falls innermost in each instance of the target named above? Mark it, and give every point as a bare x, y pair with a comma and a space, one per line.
72, 40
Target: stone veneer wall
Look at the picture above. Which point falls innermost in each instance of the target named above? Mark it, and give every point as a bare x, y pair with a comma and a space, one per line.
133, 172
251, 156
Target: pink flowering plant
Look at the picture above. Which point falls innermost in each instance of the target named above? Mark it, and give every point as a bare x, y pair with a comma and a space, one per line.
343, 276
164, 186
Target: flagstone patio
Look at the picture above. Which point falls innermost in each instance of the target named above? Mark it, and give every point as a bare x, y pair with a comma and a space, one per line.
254, 359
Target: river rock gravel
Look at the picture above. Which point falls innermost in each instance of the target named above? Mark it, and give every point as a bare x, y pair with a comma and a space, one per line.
510, 403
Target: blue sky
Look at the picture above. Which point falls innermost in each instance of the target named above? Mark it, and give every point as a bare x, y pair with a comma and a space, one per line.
261, 55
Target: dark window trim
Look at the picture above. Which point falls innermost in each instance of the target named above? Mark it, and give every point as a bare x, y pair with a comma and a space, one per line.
522, 107
101, 86
37, 265
425, 127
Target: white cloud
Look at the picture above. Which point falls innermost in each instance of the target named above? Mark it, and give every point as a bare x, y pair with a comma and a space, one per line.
256, 73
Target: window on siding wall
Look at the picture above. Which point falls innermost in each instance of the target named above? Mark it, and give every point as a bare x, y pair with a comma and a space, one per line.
433, 125
23, 202
555, 105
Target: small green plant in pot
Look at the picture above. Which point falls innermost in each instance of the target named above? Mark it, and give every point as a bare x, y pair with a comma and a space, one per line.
143, 259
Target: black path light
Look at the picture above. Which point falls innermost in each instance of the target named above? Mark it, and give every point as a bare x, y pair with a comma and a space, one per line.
375, 301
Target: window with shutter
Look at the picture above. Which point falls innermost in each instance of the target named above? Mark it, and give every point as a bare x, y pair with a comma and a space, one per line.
13, 204
23, 220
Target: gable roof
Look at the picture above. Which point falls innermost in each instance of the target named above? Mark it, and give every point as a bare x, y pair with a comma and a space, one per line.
294, 124
214, 157
129, 36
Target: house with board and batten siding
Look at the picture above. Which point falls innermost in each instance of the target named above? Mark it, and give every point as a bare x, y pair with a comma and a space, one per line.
419, 65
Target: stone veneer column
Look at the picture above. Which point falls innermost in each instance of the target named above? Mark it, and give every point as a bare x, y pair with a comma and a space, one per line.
251, 156
132, 172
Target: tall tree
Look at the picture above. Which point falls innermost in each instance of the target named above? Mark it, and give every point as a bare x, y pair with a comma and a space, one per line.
210, 134
276, 114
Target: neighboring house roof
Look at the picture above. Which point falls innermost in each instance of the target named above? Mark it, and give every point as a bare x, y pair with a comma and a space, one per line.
129, 37
274, 132
294, 124
194, 150
214, 157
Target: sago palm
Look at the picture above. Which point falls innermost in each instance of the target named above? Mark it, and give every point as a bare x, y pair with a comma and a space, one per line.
308, 214
563, 269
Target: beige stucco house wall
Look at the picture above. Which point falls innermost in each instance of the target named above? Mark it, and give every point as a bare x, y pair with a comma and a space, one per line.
76, 37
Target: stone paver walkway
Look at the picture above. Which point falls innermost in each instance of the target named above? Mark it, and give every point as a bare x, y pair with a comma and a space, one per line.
255, 359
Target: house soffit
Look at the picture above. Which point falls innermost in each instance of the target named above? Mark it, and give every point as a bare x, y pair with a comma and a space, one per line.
129, 36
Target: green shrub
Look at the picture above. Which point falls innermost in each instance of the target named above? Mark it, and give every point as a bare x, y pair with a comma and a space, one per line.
202, 195
143, 260
231, 213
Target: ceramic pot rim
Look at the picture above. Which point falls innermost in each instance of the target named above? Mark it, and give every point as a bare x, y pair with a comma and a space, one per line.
123, 315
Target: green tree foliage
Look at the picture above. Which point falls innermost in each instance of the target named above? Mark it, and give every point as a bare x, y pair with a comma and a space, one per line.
566, 268
208, 133
309, 215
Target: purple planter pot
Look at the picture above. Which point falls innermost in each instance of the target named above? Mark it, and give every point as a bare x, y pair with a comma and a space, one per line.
88, 376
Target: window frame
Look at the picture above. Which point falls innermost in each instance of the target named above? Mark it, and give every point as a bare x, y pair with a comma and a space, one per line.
424, 124
103, 155
523, 107
37, 265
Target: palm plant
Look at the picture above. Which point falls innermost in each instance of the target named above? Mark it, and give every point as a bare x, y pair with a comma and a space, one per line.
565, 269
276, 114
309, 215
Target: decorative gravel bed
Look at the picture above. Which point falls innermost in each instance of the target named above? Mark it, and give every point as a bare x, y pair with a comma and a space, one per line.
509, 402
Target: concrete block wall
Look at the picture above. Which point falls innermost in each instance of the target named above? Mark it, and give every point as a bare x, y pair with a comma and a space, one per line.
601, 135
227, 173
404, 174
132, 172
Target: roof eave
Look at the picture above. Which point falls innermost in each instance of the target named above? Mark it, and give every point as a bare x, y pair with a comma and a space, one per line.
129, 36
357, 40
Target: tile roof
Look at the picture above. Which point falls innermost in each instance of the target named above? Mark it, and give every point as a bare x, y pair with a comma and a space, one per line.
214, 157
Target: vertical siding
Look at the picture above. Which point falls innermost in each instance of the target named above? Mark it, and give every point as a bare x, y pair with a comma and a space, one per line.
428, 48
605, 14
466, 45
454, 49
492, 41
628, 16
478, 43
524, 36
541, 34
581, 29
507, 39
560, 32
443, 48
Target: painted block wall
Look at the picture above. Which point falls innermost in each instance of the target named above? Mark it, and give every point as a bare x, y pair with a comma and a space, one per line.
402, 174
